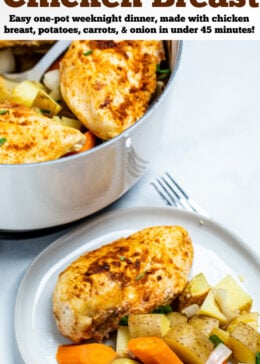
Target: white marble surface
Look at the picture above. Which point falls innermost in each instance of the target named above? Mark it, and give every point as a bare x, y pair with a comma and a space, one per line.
210, 144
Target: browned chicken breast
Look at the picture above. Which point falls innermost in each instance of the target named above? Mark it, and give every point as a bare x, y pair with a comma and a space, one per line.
27, 137
131, 275
108, 84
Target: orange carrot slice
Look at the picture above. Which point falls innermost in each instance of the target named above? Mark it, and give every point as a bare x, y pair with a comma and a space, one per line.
85, 354
153, 350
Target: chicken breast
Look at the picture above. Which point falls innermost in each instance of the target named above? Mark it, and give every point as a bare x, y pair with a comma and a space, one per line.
108, 84
28, 137
135, 274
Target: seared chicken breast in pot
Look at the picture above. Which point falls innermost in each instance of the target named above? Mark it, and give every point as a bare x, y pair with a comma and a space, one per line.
28, 137
108, 84
135, 274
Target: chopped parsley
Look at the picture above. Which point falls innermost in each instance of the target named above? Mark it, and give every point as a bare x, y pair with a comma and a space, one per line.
257, 358
137, 278
90, 51
162, 72
3, 112
122, 258
123, 321
163, 309
215, 340
2, 141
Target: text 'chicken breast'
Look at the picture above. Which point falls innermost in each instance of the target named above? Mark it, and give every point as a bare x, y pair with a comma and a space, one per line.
27, 136
135, 274
108, 84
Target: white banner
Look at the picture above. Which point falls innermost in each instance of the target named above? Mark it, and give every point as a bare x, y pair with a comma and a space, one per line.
130, 19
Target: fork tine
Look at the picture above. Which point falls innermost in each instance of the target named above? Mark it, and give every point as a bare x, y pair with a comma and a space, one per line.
163, 193
173, 194
193, 204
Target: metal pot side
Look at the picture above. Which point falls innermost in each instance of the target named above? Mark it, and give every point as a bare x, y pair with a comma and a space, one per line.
43, 195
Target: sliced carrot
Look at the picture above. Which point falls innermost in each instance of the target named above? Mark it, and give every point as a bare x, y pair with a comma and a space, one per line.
90, 142
153, 350
85, 354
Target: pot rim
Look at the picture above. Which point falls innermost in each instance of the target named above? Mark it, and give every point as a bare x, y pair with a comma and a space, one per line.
103, 145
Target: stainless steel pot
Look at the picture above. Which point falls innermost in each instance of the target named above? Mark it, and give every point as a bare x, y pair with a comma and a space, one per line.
42, 195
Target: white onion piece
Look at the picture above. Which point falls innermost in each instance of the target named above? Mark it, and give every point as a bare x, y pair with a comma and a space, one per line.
51, 79
219, 354
191, 310
7, 61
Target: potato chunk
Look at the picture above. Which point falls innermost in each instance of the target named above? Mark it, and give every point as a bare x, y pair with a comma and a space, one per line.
243, 342
123, 336
237, 300
195, 291
176, 318
189, 344
204, 324
210, 308
152, 324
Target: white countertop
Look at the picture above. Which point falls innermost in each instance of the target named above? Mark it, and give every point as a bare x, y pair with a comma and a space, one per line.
210, 144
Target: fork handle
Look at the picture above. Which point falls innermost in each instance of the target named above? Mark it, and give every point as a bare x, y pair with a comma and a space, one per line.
47, 60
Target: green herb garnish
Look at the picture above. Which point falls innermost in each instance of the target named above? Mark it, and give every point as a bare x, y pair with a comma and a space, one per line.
215, 340
90, 51
2, 141
3, 112
122, 258
162, 70
123, 321
163, 309
139, 276
257, 358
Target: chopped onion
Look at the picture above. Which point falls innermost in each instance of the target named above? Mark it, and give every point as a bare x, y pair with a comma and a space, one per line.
7, 61
51, 79
191, 310
219, 354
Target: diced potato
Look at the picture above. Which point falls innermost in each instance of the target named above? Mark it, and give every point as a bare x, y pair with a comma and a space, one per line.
221, 297
152, 324
189, 344
221, 334
24, 93
195, 291
211, 309
124, 361
176, 318
6, 89
237, 300
123, 336
46, 103
249, 318
204, 324
246, 335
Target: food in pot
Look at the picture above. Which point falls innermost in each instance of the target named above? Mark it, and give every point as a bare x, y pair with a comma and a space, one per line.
28, 136
108, 84
135, 274
98, 87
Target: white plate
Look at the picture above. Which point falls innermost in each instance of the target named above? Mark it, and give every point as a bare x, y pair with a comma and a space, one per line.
217, 253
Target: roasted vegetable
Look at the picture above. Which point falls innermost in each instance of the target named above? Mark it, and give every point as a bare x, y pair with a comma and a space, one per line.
123, 336
204, 324
153, 350
148, 325
210, 308
189, 344
195, 291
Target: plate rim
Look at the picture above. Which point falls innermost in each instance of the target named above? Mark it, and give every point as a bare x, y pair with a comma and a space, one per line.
96, 220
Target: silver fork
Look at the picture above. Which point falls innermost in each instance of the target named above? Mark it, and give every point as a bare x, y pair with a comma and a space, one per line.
174, 195
36, 73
